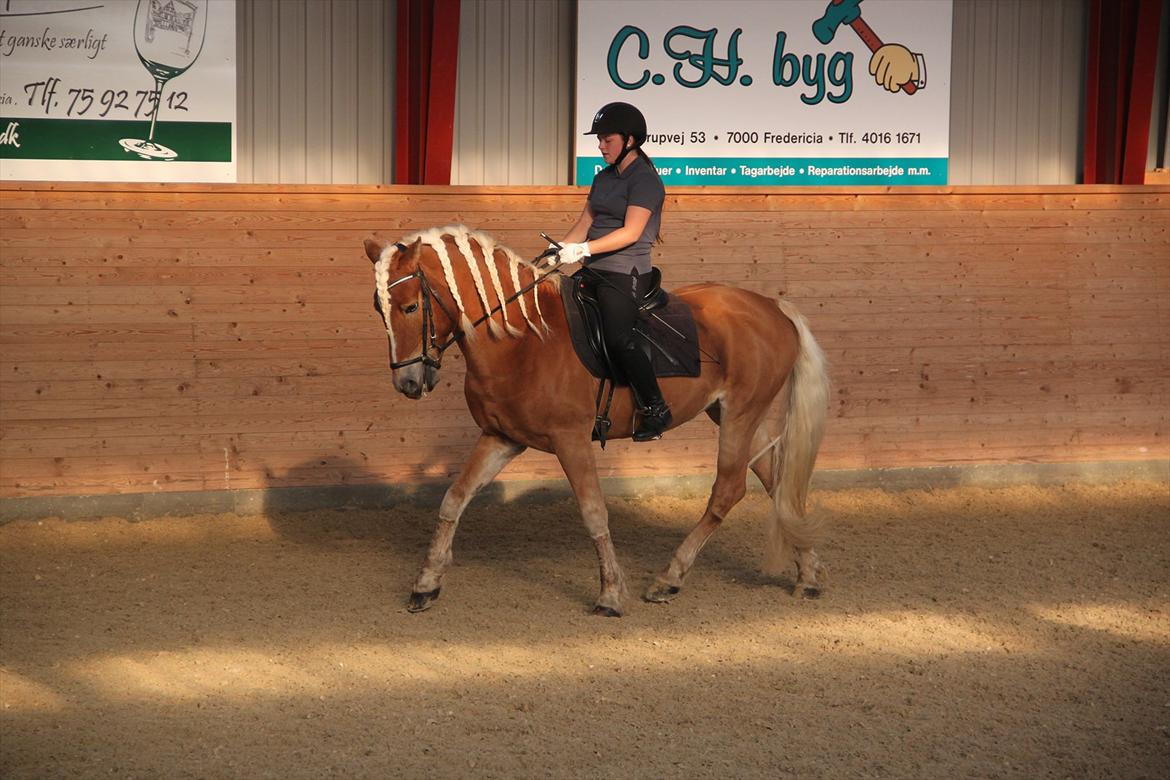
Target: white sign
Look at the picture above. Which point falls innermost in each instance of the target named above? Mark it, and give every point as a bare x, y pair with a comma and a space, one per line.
808, 92
118, 90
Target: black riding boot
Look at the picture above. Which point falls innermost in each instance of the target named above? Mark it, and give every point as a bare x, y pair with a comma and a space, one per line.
653, 414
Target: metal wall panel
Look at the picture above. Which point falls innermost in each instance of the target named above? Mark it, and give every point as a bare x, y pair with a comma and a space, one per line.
1159, 144
316, 91
1017, 94
514, 99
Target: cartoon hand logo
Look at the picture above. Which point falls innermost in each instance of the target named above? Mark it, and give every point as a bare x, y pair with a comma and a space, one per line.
893, 66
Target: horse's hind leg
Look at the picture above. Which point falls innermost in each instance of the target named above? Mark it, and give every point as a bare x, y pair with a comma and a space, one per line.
576, 458
808, 565
488, 458
735, 438
765, 435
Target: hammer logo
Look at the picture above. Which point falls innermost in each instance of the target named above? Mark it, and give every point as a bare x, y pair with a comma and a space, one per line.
893, 66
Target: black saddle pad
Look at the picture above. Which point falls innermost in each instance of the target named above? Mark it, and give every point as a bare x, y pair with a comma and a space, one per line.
671, 354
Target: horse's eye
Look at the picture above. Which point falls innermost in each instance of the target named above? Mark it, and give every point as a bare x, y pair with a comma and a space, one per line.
411, 309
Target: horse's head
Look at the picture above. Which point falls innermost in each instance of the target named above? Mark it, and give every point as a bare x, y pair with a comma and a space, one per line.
418, 324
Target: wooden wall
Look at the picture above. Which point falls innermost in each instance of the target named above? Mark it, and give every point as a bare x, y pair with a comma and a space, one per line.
198, 337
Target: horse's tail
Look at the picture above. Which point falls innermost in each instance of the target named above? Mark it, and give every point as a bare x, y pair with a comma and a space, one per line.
792, 465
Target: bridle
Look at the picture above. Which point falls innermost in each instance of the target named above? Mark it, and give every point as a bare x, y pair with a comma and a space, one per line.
429, 341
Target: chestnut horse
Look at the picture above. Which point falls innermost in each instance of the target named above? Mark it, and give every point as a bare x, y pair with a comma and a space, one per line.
766, 388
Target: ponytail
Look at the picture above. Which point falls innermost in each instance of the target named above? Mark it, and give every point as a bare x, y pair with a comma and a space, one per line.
646, 157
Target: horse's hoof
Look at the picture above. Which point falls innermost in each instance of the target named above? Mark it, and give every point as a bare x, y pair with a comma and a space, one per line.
808, 591
421, 601
604, 611
660, 593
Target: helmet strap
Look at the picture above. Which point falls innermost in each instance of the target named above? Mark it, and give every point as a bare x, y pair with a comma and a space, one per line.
625, 150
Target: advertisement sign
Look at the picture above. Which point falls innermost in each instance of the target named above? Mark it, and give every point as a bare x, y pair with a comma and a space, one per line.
118, 90
773, 92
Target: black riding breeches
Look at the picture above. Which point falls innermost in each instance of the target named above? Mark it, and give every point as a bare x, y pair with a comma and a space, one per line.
618, 296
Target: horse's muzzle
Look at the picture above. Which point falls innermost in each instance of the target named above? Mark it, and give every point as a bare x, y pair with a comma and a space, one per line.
409, 388
416, 381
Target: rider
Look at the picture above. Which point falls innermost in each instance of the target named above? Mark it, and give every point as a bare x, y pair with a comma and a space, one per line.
619, 223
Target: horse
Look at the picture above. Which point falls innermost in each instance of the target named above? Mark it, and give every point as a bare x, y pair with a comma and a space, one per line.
766, 388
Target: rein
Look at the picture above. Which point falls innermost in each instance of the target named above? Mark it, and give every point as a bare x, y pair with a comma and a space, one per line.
428, 321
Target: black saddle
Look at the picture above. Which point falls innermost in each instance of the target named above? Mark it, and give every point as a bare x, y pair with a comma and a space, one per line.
665, 324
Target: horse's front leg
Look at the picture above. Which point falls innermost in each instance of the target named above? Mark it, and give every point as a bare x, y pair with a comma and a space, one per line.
488, 458
576, 457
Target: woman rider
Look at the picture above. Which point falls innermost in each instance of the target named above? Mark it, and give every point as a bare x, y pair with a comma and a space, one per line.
612, 239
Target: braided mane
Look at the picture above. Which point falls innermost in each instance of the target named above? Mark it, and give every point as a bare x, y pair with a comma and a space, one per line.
497, 258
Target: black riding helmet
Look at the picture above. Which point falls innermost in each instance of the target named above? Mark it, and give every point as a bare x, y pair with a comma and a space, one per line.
623, 119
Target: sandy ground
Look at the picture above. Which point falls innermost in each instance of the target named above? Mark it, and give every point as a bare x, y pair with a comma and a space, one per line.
1019, 632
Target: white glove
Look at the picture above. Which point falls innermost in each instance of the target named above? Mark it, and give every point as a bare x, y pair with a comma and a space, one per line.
573, 253
548, 258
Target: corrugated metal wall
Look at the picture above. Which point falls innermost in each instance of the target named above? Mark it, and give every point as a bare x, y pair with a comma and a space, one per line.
514, 100
1159, 149
1017, 91
316, 91
309, 113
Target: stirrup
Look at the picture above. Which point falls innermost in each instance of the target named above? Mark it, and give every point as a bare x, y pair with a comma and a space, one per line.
653, 420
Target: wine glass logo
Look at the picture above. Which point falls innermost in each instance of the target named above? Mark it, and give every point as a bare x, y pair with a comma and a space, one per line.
168, 35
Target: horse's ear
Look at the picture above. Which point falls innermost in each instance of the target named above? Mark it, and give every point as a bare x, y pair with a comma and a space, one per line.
374, 249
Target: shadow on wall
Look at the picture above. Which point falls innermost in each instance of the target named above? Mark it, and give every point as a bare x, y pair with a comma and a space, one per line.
324, 514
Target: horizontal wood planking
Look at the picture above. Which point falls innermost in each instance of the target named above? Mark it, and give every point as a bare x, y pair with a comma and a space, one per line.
495, 220
203, 337
53, 196
734, 234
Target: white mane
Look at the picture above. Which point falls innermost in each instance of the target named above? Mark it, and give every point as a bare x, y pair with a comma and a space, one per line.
494, 255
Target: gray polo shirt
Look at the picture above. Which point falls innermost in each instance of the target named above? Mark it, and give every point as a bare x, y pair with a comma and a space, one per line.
611, 193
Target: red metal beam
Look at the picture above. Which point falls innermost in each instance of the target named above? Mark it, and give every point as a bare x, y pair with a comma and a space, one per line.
1119, 90
428, 48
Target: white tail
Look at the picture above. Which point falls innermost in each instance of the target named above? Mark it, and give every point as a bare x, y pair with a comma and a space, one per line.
792, 465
